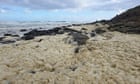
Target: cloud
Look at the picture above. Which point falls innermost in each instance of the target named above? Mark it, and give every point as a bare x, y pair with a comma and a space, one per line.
72, 4
116, 1
3, 10
28, 11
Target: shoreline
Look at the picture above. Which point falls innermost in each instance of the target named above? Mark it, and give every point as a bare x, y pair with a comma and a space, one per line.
19, 32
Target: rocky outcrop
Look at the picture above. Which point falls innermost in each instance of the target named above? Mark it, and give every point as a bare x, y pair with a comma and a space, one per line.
30, 35
127, 22
58, 30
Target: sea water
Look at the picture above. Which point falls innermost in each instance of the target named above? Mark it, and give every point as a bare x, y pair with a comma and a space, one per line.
15, 27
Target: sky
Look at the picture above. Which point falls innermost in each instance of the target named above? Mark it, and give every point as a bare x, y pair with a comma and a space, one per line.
63, 10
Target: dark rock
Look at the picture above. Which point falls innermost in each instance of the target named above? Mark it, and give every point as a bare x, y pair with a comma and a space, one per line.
69, 25
37, 46
127, 22
76, 24
76, 50
7, 41
96, 24
83, 29
76, 38
15, 35
63, 26
73, 68
100, 30
7, 34
101, 21
104, 21
135, 30
80, 38
93, 33
33, 72
40, 40
70, 31
40, 28
27, 37
23, 30
1, 38
12, 35
36, 32
58, 30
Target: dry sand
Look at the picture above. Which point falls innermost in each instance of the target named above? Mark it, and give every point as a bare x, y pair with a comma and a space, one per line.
112, 59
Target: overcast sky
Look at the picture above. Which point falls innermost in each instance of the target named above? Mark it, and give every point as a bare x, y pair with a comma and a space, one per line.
62, 10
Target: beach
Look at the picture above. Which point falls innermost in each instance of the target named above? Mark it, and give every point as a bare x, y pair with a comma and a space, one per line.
109, 57
69, 41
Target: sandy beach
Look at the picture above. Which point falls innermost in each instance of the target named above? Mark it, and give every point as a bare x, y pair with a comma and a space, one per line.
108, 58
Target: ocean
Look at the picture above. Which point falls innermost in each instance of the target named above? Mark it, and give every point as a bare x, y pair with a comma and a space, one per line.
15, 27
